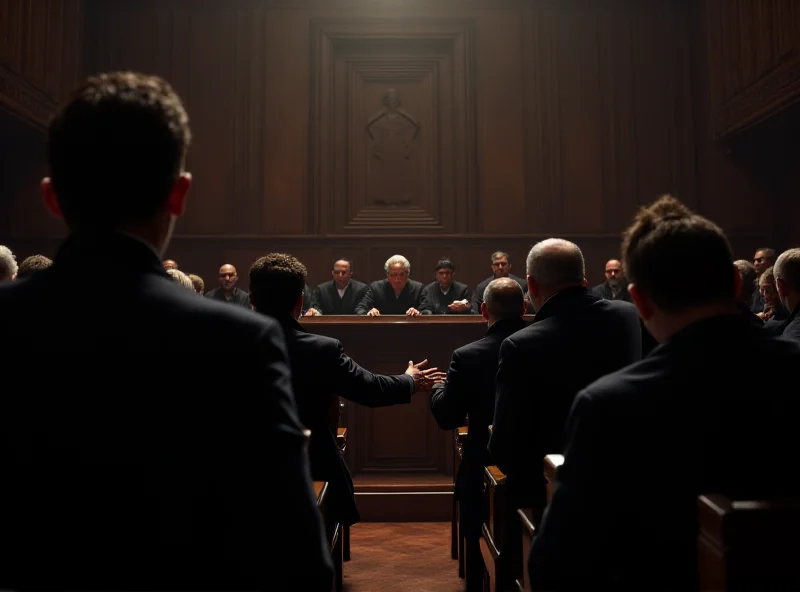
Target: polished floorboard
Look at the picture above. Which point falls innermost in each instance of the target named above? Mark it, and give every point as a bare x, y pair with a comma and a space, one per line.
408, 556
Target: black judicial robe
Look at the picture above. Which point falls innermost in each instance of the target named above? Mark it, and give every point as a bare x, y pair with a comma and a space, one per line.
326, 299
381, 295
438, 300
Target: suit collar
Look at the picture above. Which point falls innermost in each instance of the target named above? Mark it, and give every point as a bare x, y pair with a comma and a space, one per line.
287, 322
117, 250
565, 300
506, 327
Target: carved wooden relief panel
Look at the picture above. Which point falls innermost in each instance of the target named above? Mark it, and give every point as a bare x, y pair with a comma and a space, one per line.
392, 124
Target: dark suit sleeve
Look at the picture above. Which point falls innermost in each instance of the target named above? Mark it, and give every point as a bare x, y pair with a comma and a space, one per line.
287, 485
354, 383
571, 549
424, 305
316, 299
449, 401
507, 395
477, 300
466, 294
367, 302
306, 299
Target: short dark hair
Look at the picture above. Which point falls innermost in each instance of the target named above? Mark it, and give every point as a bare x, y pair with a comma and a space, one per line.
116, 148
656, 247
346, 260
445, 263
32, 264
769, 253
276, 282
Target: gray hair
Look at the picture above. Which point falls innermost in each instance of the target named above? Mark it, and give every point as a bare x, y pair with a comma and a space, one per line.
397, 260
787, 268
8, 263
747, 271
556, 261
180, 277
499, 255
504, 298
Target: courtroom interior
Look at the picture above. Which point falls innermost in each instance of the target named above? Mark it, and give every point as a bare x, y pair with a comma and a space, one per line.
452, 295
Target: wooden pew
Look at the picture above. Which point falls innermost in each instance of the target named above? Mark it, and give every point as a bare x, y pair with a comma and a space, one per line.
456, 540
333, 533
341, 439
748, 545
525, 516
551, 464
501, 565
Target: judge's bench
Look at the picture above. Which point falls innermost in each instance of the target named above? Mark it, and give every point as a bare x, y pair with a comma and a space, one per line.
402, 462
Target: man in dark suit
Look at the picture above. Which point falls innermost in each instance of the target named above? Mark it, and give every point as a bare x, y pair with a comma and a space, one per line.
339, 296
468, 393
116, 474
445, 295
575, 338
501, 267
616, 286
397, 294
321, 372
787, 283
228, 291
691, 418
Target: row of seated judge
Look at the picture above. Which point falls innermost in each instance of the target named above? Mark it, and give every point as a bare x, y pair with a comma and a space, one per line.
748, 544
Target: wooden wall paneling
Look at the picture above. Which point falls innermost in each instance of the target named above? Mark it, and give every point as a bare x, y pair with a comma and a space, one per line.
501, 138
618, 137
40, 44
754, 63
286, 115
401, 53
662, 106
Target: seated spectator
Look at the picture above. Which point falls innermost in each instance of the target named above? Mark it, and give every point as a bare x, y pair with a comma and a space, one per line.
32, 264
178, 276
692, 418
8, 265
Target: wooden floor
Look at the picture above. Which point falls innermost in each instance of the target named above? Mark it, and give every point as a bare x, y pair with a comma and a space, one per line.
408, 556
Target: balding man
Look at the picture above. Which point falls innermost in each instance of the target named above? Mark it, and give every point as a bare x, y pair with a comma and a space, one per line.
692, 418
787, 282
170, 264
616, 286
227, 291
575, 338
467, 395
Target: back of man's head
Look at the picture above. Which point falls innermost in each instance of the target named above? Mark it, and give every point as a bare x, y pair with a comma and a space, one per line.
747, 271
32, 264
276, 282
504, 299
787, 268
658, 247
556, 262
116, 149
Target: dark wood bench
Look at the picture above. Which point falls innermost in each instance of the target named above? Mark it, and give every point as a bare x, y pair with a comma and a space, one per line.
551, 464
748, 545
333, 534
525, 516
500, 565
456, 540
341, 439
